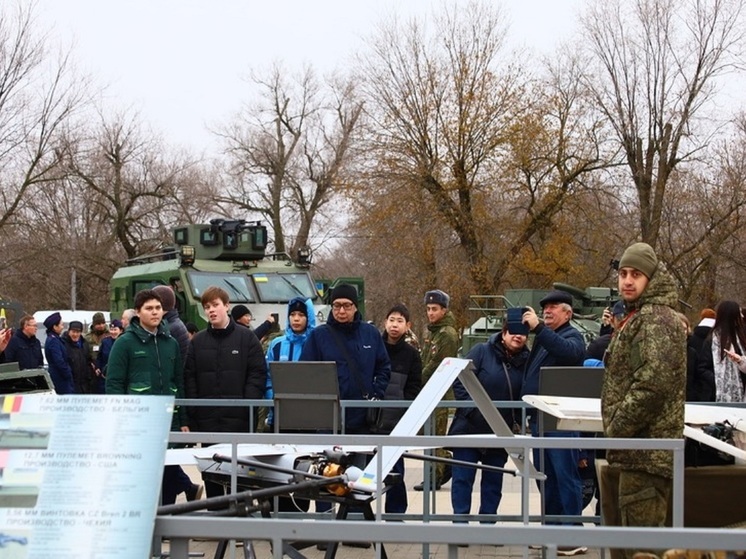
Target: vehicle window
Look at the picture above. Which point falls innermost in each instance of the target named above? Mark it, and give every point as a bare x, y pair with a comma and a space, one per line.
281, 288
237, 285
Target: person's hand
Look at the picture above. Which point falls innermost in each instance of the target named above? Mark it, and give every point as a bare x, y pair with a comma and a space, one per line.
5, 335
607, 316
530, 317
733, 356
271, 319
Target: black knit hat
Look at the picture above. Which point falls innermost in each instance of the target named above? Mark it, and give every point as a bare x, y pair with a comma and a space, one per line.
76, 325
298, 306
238, 311
344, 291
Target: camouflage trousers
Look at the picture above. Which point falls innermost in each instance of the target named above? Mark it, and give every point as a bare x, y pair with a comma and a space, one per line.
643, 501
441, 429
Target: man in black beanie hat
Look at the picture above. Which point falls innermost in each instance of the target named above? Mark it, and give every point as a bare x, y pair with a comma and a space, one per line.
363, 365
242, 315
344, 291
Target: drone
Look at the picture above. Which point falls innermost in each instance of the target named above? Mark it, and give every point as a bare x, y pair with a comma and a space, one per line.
346, 475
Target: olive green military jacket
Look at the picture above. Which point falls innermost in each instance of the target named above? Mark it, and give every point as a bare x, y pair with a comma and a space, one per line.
441, 342
645, 380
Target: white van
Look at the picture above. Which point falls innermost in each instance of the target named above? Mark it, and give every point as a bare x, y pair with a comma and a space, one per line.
67, 316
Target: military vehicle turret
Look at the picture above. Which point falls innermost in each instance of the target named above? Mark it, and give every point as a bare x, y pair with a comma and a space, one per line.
230, 254
489, 310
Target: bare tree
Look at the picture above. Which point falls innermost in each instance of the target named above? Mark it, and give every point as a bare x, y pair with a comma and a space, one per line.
288, 152
657, 62
130, 183
39, 93
493, 155
556, 150
702, 233
439, 108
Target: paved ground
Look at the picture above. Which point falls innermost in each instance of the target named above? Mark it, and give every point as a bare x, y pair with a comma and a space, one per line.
510, 505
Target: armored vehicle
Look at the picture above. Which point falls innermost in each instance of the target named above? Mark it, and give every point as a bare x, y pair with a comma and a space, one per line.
489, 310
230, 254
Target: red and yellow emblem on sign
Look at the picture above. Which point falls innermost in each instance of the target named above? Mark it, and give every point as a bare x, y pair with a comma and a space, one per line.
12, 404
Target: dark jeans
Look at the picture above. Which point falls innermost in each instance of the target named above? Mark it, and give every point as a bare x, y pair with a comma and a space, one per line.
563, 488
396, 496
175, 481
490, 490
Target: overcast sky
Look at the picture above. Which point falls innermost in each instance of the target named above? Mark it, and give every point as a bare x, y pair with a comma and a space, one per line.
183, 63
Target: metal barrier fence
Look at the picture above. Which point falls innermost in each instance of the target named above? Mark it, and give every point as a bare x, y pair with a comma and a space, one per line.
279, 530
177, 528
254, 405
438, 529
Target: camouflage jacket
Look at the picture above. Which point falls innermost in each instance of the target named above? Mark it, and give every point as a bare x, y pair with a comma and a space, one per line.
645, 379
94, 343
441, 342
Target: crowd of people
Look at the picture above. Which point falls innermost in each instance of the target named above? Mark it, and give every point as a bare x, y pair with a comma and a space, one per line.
653, 361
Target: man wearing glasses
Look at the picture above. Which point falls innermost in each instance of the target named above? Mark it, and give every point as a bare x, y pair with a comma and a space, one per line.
363, 366
24, 347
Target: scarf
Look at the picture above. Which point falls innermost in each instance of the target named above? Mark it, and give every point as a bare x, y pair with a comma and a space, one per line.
728, 385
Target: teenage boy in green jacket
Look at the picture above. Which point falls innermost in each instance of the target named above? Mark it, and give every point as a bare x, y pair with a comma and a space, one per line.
146, 359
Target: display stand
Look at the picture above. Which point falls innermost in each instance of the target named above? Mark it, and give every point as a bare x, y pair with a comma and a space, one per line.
306, 396
576, 382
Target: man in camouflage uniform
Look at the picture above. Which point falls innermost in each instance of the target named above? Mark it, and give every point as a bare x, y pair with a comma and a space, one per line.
96, 334
441, 342
644, 386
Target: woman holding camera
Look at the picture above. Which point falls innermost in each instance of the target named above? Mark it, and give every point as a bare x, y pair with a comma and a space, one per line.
498, 365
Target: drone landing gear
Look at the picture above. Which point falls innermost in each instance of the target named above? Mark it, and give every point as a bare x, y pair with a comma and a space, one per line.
342, 514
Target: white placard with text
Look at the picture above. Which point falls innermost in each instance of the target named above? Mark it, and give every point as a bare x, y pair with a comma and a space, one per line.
80, 476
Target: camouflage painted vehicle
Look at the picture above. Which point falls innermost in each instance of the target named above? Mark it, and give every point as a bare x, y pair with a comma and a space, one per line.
230, 254
489, 310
